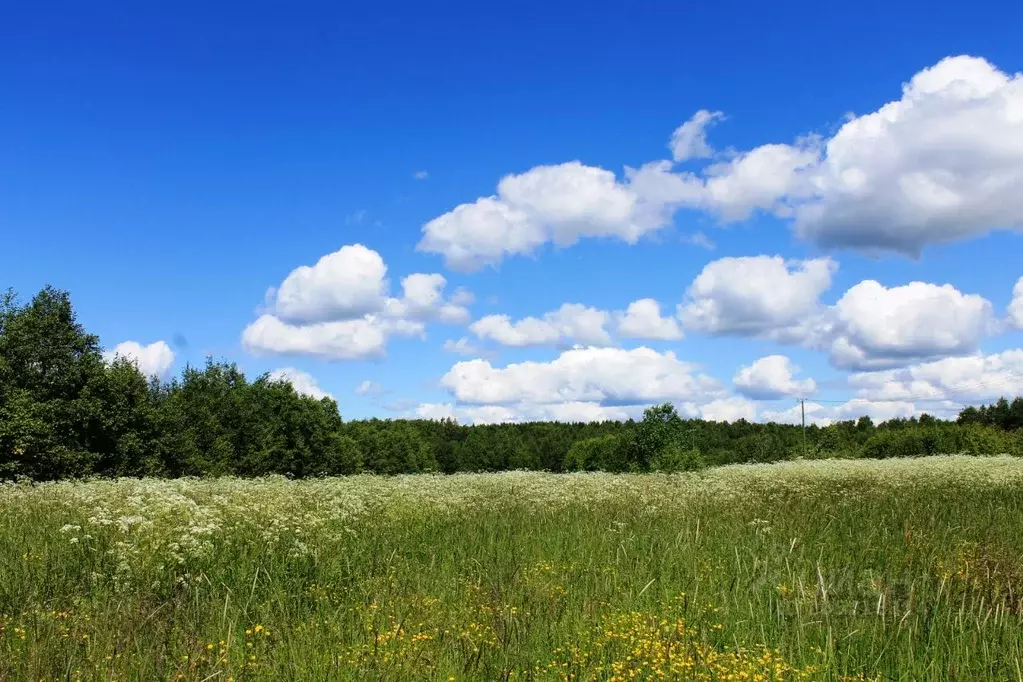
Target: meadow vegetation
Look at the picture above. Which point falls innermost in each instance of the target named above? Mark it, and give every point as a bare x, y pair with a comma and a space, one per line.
899, 569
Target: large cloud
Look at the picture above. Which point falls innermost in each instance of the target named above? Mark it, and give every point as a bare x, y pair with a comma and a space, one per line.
770, 378
152, 360
340, 308
601, 375
755, 295
874, 327
942, 163
303, 382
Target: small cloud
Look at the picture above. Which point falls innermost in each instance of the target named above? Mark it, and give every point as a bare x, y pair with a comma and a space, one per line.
367, 387
699, 239
421, 175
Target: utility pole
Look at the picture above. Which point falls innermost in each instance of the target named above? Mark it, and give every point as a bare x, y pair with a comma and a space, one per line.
802, 411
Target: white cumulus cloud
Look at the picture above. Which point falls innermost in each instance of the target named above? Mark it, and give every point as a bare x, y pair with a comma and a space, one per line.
643, 320
874, 327
560, 204
755, 295
341, 308
358, 339
770, 378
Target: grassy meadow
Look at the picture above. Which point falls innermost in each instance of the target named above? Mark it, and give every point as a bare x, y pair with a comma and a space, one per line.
823, 570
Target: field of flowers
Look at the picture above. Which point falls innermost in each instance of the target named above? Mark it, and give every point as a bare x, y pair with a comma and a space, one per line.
826, 570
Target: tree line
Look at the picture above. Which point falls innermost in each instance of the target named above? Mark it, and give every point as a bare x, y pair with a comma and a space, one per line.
67, 413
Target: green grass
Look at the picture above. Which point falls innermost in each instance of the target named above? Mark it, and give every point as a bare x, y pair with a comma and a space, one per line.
891, 570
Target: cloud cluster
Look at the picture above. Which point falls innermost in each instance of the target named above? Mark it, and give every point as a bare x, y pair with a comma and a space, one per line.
152, 360
870, 327
341, 309
941, 163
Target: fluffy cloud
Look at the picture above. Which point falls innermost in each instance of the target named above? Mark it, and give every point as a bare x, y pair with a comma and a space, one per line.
942, 163
571, 323
755, 295
970, 379
870, 327
642, 320
601, 375
770, 378
340, 308
874, 327
359, 339
345, 284
689, 141
152, 360
1016, 306
303, 382
560, 204
759, 179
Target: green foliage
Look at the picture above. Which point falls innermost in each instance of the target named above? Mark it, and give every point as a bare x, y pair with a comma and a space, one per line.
674, 458
603, 453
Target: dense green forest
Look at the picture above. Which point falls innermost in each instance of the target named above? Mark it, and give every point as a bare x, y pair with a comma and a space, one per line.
65, 412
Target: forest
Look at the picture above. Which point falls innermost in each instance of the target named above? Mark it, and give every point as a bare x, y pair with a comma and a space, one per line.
65, 412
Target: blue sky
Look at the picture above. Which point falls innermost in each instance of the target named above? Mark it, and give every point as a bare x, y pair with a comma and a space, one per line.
169, 164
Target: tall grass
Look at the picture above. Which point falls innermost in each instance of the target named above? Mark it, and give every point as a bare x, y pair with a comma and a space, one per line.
890, 570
